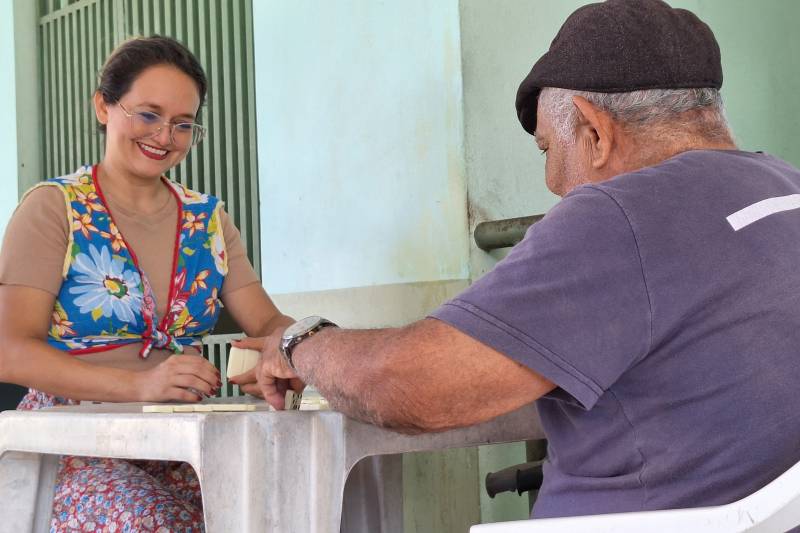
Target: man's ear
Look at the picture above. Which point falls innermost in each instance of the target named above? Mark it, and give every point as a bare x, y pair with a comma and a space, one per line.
100, 108
595, 127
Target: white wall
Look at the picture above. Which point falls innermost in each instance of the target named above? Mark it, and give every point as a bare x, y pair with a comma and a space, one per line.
360, 143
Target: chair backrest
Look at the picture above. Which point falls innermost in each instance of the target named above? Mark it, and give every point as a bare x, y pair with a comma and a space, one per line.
215, 349
773, 509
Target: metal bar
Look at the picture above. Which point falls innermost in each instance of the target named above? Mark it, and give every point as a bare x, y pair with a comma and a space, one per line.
47, 76
176, 26
108, 29
104, 14
180, 18
55, 14
62, 108
147, 20
208, 147
218, 85
97, 59
157, 21
89, 84
167, 7
135, 20
194, 169
495, 234
84, 88
91, 74
227, 151
238, 163
254, 246
52, 97
118, 19
75, 81
91, 47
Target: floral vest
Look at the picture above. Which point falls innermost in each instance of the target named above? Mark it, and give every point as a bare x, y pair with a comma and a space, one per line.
105, 299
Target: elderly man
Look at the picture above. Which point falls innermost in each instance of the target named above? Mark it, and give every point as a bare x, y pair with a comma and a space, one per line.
653, 314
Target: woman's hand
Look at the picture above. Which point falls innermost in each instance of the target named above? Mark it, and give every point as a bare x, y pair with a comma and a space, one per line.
180, 378
271, 377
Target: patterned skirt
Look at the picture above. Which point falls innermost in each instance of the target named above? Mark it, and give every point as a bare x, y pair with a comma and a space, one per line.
99, 494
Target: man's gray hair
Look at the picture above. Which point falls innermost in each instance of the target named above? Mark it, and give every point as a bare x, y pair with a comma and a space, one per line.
656, 112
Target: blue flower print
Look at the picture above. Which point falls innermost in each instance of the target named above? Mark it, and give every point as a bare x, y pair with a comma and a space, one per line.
105, 287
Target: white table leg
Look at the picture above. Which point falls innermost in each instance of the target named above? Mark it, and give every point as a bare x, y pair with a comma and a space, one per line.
26, 491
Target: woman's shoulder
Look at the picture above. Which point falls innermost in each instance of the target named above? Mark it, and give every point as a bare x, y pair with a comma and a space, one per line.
52, 196
47, 198
81, 177
56, 190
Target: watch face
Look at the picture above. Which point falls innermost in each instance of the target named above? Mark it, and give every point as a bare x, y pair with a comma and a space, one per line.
301, 326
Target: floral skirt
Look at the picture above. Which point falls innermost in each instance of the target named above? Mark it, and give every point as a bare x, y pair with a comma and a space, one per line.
99, 494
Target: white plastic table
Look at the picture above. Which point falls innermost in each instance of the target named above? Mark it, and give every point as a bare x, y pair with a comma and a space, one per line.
259, 471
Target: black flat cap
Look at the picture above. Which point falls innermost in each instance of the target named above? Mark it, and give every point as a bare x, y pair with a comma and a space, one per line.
623, 46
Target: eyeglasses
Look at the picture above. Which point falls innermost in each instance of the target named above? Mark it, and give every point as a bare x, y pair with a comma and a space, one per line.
146, 125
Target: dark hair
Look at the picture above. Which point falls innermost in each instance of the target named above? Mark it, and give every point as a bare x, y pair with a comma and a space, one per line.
134, 56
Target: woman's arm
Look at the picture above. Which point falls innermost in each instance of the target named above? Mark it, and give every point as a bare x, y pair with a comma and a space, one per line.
254, 311
27, 359
242, 293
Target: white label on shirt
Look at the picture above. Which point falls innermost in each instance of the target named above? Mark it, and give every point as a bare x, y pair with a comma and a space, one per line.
764, 208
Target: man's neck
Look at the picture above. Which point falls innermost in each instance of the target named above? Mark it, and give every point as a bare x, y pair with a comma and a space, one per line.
653, 157
640, 152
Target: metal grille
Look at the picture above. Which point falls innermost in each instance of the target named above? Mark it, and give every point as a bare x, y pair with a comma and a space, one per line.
75, 39
77, 35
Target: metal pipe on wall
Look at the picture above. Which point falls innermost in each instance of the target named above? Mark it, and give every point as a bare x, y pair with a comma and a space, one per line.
494, 234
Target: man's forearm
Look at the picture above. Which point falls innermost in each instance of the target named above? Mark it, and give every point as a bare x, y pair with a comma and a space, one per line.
426, 376
350, 368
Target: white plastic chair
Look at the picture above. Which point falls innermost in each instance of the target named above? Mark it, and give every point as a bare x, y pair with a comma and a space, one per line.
773, 509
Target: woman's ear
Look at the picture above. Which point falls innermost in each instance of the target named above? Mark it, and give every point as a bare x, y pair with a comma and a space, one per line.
596, 129
100, 108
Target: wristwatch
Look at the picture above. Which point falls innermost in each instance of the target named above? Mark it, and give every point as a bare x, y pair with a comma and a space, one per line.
298, 332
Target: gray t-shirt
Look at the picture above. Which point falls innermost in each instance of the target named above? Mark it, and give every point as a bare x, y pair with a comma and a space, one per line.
671, 330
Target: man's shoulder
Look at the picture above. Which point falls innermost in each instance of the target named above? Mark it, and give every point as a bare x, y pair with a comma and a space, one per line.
698, 169
695, 179
587, 204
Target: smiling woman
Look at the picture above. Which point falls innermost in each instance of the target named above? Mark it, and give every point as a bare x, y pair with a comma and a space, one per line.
121, 271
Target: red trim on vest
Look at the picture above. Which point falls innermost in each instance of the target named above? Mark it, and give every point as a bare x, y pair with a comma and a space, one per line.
173, 291
176, 247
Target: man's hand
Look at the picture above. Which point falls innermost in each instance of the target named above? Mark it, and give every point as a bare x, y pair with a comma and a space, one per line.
271, 377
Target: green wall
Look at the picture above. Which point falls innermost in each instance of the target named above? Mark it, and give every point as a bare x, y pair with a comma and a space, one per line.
761, 64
